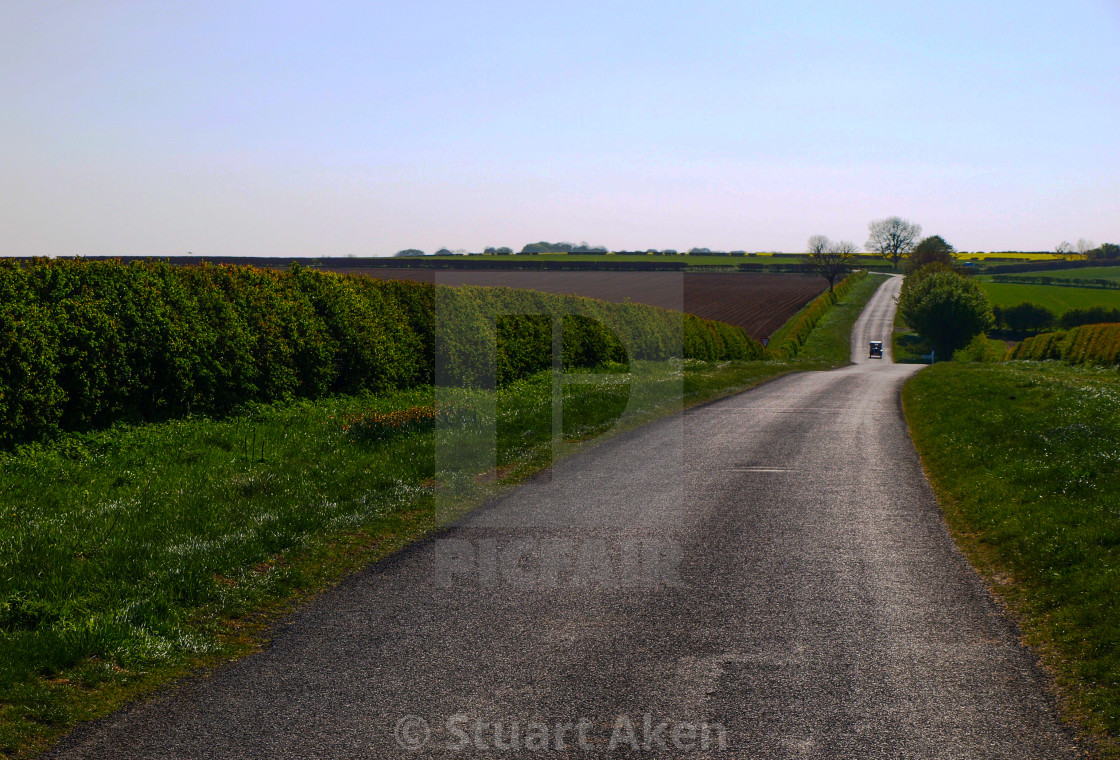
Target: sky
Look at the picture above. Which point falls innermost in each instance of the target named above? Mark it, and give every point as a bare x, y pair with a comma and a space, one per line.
336, 128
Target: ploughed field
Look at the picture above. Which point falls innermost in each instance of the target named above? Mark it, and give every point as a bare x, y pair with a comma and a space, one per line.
758, 302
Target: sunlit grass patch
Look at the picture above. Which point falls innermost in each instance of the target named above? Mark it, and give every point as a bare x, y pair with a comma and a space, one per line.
1025, 457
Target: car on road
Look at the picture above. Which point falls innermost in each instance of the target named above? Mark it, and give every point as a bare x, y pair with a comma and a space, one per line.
876, 350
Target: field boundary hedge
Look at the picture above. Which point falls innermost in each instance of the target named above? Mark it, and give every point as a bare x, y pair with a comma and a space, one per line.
795, 338
1088, 344
85, 344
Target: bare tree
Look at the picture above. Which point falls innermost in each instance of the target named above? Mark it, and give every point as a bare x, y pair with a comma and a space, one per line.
1084, 246
831, 260
1064, 249
818, 244
892, 238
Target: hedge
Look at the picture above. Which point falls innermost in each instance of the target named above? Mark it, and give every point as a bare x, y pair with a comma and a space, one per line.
799, 333
1089, 344
85, 344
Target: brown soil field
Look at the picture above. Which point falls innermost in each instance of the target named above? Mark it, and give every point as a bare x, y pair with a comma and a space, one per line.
758, 302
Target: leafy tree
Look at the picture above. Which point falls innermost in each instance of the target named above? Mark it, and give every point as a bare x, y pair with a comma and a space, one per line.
1028, 316
932, 250
829, 259
408, 252
997, 316
892, 238
1104, 251
585, 247
944, 308
544, 247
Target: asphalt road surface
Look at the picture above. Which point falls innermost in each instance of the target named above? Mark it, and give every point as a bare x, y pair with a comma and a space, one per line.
764, 577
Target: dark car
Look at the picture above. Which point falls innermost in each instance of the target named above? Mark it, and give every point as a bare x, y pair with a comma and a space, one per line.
876, 350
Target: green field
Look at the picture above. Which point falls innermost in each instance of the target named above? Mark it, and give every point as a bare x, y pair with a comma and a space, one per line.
1057, 298
1085, 273
1023, 457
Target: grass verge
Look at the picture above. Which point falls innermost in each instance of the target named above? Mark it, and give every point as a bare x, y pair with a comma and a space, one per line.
830, 342
907, 346
133, 556
1024, 458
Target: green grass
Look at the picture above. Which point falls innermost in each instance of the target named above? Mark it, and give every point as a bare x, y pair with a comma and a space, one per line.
1084, 273
1057, 298
132, 556
907, 346
136, 555
1025, 458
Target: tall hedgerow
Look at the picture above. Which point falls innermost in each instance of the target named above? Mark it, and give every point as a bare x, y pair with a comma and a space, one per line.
818, 307
1088, 344
85, 344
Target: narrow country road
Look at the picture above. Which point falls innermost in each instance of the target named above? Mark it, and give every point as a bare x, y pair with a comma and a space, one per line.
763, 577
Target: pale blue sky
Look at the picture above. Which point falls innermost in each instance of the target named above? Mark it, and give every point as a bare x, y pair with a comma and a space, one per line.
281, 128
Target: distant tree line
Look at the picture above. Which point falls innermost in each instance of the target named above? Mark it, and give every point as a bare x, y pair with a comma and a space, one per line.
545, 247
1085, 249
1032, 317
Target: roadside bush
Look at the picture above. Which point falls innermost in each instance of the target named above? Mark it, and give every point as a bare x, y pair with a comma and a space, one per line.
945, 308
85, 344
1043, 347
981, 349
31, 400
